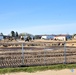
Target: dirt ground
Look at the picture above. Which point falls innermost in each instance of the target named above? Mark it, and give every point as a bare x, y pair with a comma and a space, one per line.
49, 72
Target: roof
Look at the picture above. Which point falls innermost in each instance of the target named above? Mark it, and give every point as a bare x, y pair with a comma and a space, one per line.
62, 35
47, 35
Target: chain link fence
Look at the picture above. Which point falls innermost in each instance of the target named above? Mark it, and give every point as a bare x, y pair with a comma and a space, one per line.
32, 57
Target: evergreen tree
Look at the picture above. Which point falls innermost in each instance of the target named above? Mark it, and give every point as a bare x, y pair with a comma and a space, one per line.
12, 33
16, 34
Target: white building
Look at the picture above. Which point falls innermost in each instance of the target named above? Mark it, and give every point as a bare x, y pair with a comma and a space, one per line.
62, 37
47, 37
1, 37
75, 37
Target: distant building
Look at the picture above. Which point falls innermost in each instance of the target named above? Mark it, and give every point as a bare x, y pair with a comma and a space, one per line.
75, 37
48, 37
62, 37
37, 36
1, 37
25, 37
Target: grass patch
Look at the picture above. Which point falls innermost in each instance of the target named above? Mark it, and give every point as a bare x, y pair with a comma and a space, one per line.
37, 68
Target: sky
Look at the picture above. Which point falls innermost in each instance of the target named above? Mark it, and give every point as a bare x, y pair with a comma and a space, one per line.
38, 16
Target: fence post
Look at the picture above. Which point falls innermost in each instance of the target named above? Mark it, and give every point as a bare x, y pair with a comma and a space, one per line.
64, 52
22, 55
44, 55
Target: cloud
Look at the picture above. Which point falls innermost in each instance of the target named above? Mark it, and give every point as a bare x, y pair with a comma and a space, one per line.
44, 29
52, 29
